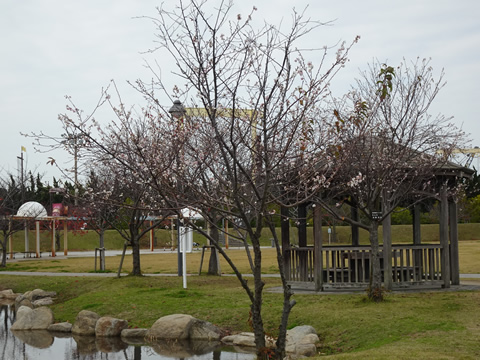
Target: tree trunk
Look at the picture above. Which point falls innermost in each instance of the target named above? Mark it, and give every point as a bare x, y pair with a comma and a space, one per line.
256, 307
4, 256
213, 264
375, 291
282, 331
136, 270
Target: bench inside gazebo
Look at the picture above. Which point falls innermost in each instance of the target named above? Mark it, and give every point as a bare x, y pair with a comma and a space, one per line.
320, 267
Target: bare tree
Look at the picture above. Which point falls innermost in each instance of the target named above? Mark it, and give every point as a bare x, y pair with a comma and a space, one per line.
99, 214
248, 143
252, 130
119, 201
389, 149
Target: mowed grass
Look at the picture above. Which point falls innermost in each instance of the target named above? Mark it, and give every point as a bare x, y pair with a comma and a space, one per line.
422, 325
166, 262
429, 325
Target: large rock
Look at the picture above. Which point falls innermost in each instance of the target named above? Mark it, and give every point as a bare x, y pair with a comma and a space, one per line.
246, 339
183, 327
64, 327
42, 302
33, 319
108, 326
35, 298
8, 294
22, 300
301, 340
85, 323
134, 336
38, 294
134, 333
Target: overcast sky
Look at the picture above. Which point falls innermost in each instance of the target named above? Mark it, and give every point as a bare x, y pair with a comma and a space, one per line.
53, 48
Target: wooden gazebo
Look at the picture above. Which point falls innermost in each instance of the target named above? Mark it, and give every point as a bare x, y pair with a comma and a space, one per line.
321, 266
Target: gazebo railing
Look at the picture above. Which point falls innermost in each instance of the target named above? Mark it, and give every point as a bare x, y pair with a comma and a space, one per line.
350, 265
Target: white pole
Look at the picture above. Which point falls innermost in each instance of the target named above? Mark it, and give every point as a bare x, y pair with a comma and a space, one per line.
184, 256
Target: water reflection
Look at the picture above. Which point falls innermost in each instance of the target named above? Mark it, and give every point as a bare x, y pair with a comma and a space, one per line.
45, 345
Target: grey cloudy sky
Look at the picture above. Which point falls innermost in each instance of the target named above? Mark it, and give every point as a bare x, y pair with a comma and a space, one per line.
53, 48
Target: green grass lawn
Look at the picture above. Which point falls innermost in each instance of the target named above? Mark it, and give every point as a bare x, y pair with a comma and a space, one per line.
430, 325
427, 325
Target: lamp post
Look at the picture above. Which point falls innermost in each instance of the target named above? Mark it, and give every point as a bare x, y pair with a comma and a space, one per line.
177, 111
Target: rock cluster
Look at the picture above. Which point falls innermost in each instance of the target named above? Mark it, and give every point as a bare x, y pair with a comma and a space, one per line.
183, 327
35, 298
300, 341
189, 333
8, 295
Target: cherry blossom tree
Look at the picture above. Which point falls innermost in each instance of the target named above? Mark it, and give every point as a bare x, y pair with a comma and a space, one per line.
251, 129
246, 143
389, 148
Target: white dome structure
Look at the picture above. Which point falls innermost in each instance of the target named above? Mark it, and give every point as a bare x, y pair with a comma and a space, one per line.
191, 214
32, 209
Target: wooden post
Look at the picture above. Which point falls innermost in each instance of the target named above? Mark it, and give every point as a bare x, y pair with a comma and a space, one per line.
10, 238
317, 251
27, 247
172, 235
225, 229
417, 240
37, 238
53, 238
454, 258
354, 228
302, 225
302, 241
65, 237
387, 245
416, 225
444, 236
152, 236
285, 234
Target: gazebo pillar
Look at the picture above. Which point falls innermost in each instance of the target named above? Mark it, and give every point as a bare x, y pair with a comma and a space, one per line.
417, 240
302, 241
387, 245
285, 235
354, 228
317, 244
302, 225
445, 259
417, 237
454, 258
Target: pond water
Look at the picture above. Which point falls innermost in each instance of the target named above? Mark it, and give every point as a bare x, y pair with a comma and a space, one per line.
43, 345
